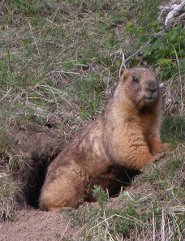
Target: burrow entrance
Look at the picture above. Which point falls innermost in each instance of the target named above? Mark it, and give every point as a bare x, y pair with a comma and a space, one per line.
43, 145
34, 185
116, 179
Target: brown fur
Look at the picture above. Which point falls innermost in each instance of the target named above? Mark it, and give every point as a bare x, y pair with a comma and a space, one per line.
127, 134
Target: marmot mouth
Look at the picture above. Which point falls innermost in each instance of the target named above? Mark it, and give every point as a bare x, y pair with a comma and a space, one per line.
149, 99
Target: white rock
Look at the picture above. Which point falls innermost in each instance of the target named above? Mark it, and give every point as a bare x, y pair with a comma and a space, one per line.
174, 11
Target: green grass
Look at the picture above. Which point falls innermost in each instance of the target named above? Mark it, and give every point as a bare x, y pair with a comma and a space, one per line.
5, 140
173, 129
61, 59
44, 59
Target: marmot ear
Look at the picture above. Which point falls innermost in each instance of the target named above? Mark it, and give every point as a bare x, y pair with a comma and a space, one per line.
121, 72
156, 71
124, 74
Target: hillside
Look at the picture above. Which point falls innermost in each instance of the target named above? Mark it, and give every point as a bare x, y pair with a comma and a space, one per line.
59, 63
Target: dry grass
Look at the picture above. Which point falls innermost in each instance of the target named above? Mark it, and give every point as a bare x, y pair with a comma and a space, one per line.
174, 95
8, 189
59, 64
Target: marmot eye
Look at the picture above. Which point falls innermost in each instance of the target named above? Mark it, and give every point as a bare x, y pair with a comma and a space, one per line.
135, 79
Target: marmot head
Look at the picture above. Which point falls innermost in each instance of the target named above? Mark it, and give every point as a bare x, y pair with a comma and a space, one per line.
140, 86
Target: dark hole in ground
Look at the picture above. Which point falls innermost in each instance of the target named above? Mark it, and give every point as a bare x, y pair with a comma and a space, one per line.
116, 179
36, 177
35, 183
123, 178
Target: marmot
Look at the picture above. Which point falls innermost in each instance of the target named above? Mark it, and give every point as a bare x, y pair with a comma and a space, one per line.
127, 134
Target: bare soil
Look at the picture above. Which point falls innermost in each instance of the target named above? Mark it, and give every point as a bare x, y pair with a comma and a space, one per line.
35, 225
37, 141
37, 146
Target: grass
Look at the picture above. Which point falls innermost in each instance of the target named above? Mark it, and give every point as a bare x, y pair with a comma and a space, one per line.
52, 65
174, 125
59, 62
8, 189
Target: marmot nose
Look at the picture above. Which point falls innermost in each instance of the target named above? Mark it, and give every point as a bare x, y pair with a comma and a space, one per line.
151, 86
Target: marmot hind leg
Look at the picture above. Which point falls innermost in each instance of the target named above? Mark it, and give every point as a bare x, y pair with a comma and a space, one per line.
66, 189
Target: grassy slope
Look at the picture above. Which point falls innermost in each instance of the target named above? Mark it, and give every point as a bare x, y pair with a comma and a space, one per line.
58, 63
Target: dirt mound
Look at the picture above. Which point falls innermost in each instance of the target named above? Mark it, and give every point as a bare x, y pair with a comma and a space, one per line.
36, 225
37, 146
37, 141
